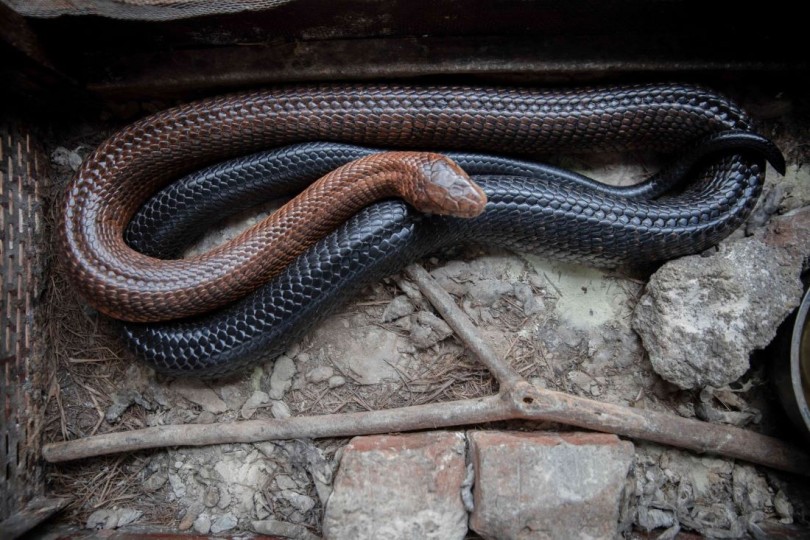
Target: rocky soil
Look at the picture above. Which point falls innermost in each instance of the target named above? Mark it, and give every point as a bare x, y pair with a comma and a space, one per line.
680, 341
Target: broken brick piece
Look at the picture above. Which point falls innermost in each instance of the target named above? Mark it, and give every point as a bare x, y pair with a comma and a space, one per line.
548, 485
399, 486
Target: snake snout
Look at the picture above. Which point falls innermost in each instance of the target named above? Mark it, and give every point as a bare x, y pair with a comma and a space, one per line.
445, 189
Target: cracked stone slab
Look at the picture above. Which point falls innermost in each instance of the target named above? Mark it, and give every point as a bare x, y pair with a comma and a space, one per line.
548, 485
399, 487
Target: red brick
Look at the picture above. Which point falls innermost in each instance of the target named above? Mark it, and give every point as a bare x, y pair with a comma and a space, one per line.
399, 486
548, 485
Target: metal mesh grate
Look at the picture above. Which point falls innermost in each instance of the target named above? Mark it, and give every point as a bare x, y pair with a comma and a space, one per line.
21, 374
144, 10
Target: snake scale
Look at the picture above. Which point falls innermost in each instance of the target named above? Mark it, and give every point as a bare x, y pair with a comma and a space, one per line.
541, 210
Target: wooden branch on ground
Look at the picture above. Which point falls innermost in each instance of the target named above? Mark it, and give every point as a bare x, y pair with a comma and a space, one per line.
517, 400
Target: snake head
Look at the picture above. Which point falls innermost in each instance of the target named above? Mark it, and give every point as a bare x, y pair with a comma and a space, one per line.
445, 189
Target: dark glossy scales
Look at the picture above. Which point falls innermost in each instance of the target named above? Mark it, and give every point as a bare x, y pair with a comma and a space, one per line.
544, 210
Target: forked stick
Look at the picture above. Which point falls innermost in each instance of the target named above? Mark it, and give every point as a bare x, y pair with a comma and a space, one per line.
516, 400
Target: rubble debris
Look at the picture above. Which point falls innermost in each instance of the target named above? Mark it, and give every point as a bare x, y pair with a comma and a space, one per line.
112, 518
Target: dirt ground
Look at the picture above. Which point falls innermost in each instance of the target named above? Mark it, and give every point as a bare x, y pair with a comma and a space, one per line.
562, 326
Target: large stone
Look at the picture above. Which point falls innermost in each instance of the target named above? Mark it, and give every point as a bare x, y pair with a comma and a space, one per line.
701, 317
405, 486
548, 485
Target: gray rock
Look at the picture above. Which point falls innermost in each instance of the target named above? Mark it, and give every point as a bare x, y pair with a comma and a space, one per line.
155, 481
488, 291
202, 524
767, 206
257, 399
650, 519
336, 381
178, 486
701, 317
525, 295
285, 482
398, 307
280, 410
302, 503
320, 374
783, 507
281, 379
224, 499
121, 401
548, 485
191, 516
199, 393
421, 336
428, 330
205, 417
67, 158
412, 291
260, 506
112, 518
234, 395
211, 498
224, 523
451, 285
582, 380
283, 529
749, 490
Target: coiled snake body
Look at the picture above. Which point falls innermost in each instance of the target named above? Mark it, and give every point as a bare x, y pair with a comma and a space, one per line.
541, 210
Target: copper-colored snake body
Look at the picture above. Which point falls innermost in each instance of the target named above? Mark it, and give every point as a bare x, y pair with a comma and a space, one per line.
138, 288
142, 158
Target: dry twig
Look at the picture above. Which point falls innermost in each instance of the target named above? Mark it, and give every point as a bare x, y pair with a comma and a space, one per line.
517, 400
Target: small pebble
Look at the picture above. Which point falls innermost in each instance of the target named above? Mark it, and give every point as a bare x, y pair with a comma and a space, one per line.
224, 523
211, 497
206, 417
191, 516
398, 307
302, 503
281, 379
320, 374
280, 410
202, 524
285, 482
336, 381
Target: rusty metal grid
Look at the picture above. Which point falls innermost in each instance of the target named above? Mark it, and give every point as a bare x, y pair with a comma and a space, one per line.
22, 180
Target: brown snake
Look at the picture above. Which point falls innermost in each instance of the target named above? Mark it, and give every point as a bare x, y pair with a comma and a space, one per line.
144, 289
137, 161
